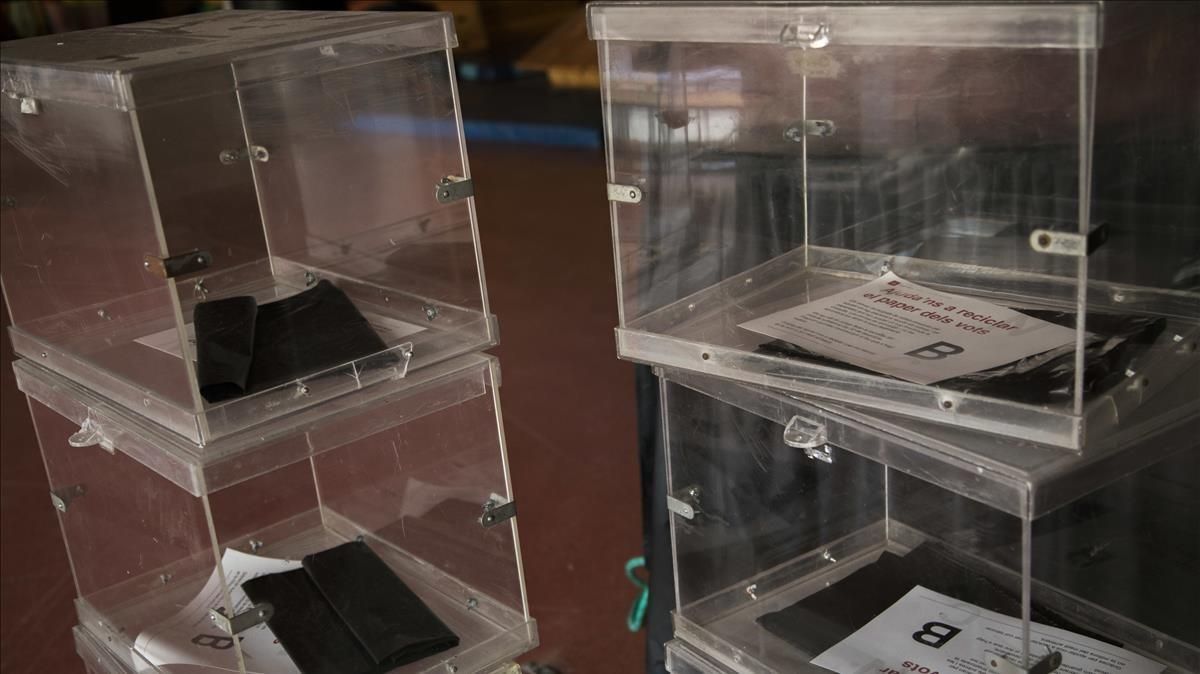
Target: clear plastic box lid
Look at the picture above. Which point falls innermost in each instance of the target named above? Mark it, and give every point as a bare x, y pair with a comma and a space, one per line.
152, 62
241, 456
1020, 477
1066, 25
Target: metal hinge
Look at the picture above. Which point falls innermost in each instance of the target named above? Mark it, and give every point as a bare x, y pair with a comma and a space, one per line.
453, 188
998, 664
1066, 243
685, 502
258, 614
810, 127
177, 265
30, 106
805, 36
626, 194
61, 498
256, 152
497, 509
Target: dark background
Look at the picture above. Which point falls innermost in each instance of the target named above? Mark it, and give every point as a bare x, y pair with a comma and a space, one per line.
569, 410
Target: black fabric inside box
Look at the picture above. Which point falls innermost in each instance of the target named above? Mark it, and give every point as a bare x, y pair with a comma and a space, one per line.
346, 612
243, 348
1112, 345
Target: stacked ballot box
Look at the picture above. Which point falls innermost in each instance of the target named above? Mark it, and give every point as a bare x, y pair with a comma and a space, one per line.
242, 262
921, 285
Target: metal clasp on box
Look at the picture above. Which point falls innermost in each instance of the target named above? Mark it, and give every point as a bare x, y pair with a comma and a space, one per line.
452, 188
998, 664
256, 152
61, 498
626, 194
497, 509
258, 614
1069, 244
809, 435
805, 35
177, 265
685, 502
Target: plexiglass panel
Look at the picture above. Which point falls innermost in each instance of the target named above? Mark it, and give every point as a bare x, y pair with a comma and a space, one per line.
212, 166
791, 532
418, 474
963, 149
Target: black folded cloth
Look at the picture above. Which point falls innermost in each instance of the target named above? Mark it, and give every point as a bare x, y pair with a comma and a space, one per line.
243, 348
346, 612
824, 618
1112, 343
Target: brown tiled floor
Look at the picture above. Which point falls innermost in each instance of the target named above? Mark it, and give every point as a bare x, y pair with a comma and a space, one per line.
568, 412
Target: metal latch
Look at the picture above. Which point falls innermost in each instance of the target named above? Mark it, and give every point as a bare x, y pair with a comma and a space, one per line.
453, 188
256, 152
810, 127
998, 664
177, 265
61, 498
1066, 243
627, 194
685, 502
805, 36
258, 614
497, 509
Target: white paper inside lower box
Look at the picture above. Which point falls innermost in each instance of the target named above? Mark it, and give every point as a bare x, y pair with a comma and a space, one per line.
490, 633
107, 354
701, 333
723, 627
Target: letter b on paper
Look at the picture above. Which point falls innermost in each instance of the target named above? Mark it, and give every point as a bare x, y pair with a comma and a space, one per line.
935, 634
935, 351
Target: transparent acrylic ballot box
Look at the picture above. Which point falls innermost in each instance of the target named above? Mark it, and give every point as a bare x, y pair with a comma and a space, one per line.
795, 525
764, 156
415, 469
98, 659
150, 169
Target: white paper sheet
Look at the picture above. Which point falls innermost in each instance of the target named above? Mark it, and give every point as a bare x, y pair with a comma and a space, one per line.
916, 635
189, 638
912, 332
